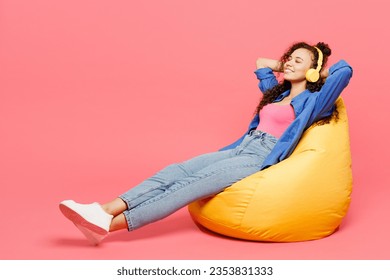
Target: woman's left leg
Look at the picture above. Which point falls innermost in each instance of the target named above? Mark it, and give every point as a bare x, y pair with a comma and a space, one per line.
245, 160
157, 184
95, 220
170, 197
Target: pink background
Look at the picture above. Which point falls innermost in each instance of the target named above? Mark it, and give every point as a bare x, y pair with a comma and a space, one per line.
97, 95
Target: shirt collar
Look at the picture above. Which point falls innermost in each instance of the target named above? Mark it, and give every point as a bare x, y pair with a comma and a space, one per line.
297, 102
282, 96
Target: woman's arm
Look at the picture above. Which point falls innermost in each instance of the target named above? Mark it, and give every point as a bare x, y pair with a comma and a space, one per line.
265, 73
275, 65
336, 79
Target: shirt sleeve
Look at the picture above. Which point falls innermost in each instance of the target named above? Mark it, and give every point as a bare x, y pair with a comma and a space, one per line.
339, 75
267, 79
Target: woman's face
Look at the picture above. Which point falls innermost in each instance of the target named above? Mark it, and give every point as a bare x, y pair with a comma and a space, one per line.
298, 63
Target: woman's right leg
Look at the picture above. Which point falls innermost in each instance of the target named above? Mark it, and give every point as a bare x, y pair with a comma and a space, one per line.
95, 220
156, 185
210, 177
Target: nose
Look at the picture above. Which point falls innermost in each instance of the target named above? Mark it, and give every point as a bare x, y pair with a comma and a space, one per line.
288, 63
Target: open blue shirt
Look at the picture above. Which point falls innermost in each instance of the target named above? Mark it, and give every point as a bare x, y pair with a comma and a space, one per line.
309, 107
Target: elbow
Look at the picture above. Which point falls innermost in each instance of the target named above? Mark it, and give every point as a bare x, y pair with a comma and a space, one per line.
261, 63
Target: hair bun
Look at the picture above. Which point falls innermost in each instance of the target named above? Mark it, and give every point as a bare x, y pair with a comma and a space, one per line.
324, 48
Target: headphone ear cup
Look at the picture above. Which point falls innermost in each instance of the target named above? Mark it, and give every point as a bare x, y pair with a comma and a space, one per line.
312, 75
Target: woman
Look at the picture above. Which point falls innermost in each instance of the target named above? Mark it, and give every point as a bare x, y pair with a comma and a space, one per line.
305, 96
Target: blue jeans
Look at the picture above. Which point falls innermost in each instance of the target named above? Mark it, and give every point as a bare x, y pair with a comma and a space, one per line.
179, 184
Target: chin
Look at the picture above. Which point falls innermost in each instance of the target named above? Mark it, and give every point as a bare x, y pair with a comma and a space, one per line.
294, 79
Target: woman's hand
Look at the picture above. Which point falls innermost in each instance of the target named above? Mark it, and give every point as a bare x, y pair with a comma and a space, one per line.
275, 65
324, 73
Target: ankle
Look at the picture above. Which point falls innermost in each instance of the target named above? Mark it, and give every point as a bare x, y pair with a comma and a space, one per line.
107, 209
118, 223
115, 207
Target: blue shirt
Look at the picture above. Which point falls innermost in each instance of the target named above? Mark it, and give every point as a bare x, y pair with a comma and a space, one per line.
309, 107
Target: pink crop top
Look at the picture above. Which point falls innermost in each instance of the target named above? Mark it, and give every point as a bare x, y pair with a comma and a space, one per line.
274, 118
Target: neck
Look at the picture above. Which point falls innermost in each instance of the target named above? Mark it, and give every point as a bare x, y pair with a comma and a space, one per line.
297, 88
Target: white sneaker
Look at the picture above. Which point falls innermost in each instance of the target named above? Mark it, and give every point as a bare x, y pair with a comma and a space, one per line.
90, 219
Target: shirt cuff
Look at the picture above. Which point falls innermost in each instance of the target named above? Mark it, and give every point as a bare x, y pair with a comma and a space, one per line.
264, 73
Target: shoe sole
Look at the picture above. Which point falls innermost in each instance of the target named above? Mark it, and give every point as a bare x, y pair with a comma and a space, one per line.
77, 219
92, 237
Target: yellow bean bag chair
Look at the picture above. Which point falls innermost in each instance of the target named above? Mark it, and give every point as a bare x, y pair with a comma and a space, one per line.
304, 197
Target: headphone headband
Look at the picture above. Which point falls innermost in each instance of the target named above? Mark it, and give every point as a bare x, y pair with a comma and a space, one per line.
312, 75
320, 59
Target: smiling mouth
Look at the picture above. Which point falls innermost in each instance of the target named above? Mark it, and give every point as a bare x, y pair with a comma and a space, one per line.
288, 71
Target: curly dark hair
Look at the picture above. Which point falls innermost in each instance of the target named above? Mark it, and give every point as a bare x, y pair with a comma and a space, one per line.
270, 95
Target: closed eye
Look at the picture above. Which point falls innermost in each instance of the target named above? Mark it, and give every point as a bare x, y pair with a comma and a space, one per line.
297, 59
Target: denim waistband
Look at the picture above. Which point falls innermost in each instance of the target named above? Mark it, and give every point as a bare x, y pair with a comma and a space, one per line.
263, 135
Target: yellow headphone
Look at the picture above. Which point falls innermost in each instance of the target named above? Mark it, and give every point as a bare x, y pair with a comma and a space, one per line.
312, 75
